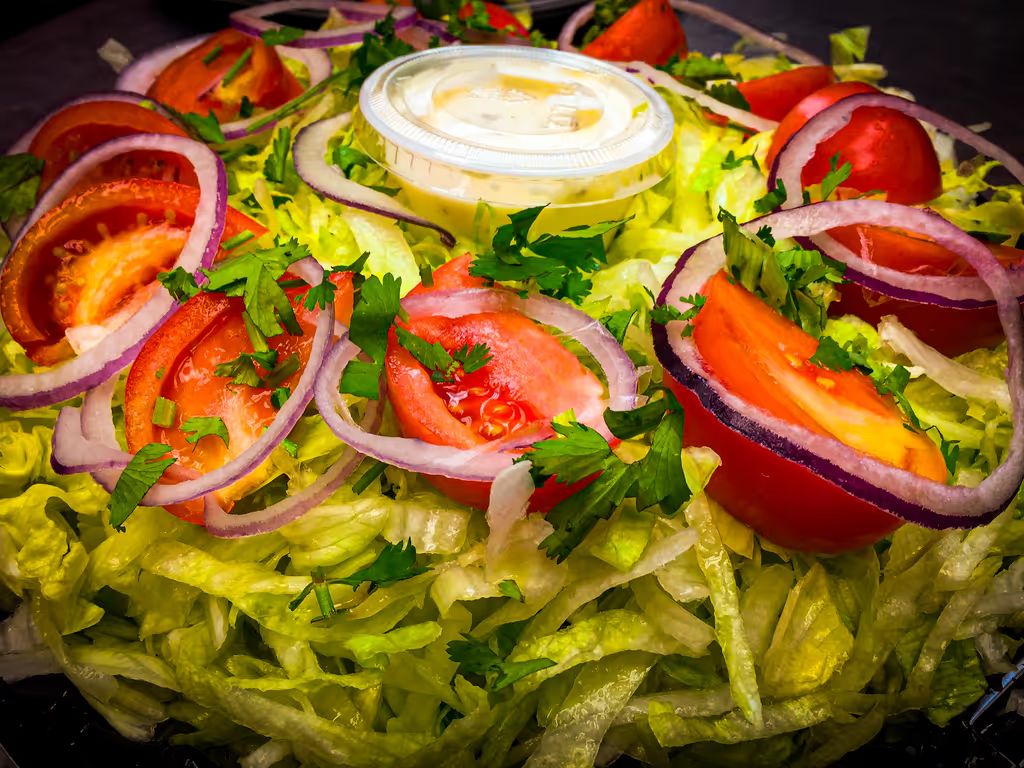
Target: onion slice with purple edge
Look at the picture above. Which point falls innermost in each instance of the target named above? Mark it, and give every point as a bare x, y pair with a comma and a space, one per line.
253, 21
660, 79
73, 451
99, 363
959, 292
309, 150
225, 525
701, 11
138, 77
897, 491
485, 462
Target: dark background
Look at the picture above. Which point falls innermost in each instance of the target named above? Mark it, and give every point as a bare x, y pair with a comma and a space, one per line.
959, 57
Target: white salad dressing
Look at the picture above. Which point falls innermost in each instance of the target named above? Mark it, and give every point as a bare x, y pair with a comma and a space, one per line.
514, 127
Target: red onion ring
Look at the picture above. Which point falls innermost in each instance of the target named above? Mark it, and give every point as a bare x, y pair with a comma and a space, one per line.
894, 490
664, 80
253, 21
433, 28
225, 525
959, 292
73, 451
138, 77
741, 28
309, 150
96, 365
485, 462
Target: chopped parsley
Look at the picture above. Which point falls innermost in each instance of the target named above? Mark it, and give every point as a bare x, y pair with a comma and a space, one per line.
242, 369
617, 323
728, 93
772, 200
206, 128
372, 316
509, 588
664, 313
275, 167
732, 162
142, 473
580, 452
443, 365
281, 35
199, 427
346, 158
554, 264
180, 283
477, 658
376, 49
280, 396
698, 69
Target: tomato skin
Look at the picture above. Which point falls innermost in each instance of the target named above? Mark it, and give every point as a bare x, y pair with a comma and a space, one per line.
888, 150
177, 363
497, 17
650, 31
189, 84
530, 369
36, 282
951, 331
783, 501
76, 129
773, 96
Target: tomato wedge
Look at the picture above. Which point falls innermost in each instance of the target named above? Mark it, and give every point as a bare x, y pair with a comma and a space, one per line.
530, 379
649, 31
762, 357
217, 73
773, 96
94, 259
499, 18
951, 331
889, 151
74, 130
177, 363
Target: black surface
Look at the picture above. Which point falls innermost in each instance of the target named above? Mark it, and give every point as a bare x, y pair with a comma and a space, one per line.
961, 58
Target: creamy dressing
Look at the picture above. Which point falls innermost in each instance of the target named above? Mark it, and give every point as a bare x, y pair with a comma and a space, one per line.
514, 127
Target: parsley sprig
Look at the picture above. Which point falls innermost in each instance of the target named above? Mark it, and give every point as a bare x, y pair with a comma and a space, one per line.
580, 452
442, 364
396, 562
489, 660
554, 264
146, 467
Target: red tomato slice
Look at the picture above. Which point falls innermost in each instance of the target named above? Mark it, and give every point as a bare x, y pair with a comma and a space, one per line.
194, 82
649, 31
78, 128
762, 357
773, 96
531, 379
497, 17
888, 150
951, 331
178, 363
96, 256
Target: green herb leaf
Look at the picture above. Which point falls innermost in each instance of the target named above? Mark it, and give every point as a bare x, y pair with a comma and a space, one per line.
179, 283
578, 453
280, 396
626, 425
199, 427
347, 158
206, 128
281, 35
19, 183
396, 562
731, 161
472, 358
372, 317
320, 295
290, 447
618, 323
142, 473
509, 588
836, 175
475, 657
275, 167
376, 49
772, 200
831, 356
659, 479
242, 370
698, 69
727, 93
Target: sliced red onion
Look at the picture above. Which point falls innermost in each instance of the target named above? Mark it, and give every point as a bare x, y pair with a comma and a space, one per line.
143, 71
435, 28
309, 150
956, 378
228, 526
664, 80
96, 365
744, 30
719, 18
965, 292
484, 462
902, 493
74, 452
253, 21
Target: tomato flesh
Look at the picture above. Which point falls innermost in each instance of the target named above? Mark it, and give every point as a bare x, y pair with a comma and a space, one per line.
773, 96
530, 379
649, 31
194, 82
888, 151
94, 257
178, 363
76, 129
762, 357
951, 331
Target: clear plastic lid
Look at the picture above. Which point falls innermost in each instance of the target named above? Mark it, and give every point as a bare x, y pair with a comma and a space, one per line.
515, 125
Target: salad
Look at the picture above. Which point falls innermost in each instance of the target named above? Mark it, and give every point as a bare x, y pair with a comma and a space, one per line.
730, 477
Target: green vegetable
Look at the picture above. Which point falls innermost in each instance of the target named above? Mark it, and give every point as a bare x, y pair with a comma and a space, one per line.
164, 411
199, 427
443, 365
236, 67
835, 177
281, 35
142, 473
373, 314
477, 658
849, 45
19, 183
